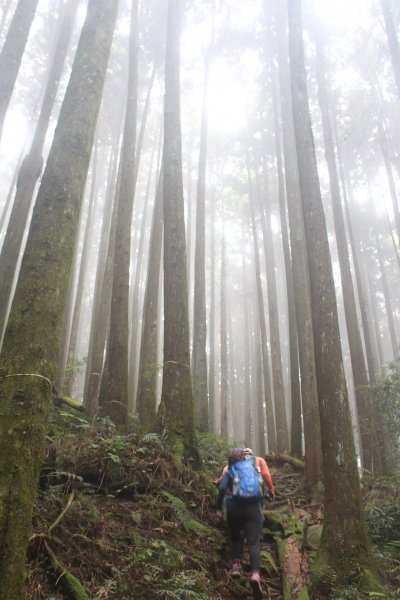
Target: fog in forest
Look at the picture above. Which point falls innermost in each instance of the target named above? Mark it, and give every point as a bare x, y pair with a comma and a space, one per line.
230, 64
199, 249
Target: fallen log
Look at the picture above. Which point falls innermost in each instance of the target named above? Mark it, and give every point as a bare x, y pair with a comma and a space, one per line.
278, 460
288, 532
294, 565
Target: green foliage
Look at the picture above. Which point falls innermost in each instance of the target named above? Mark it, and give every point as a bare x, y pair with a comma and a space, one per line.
387, 398
185, 585
268, 562
384, 523
213, 451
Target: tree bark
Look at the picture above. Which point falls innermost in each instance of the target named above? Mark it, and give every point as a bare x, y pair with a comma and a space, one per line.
102, 293
212, 362
148, 369
31, 167
116, 402
12, 52
176, 407
387, 298
36, 316
269, 410
224, 344
135, 336
359, 369
393, 41
309, 392
344, 539
282, 434
199, 376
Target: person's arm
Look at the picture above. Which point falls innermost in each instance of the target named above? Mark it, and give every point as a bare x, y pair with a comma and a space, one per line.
217, 481
221, 493
266, 476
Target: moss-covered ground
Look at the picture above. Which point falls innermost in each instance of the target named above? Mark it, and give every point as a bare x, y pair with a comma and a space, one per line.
129, 524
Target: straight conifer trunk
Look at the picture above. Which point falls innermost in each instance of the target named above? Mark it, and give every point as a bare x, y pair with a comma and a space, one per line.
269, 411
200, 384
309, 393
148, 372
359, 369
31, 167
12, 52
393, 42
176, 408
211, 368
102, 294
344, 540
36, 316
282, 435
224, 344
116, 405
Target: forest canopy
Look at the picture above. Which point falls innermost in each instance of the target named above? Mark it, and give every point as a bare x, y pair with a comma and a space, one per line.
200, 236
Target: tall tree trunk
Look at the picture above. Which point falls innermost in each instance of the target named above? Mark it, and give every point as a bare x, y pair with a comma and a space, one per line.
370, 342
102, 293
359, 369
176, 408
200, 386
224, 344
12, 52
344, 539
393, 41
376, 320
295, 395
211, 369
387, 298
269, 411
148, 371
381, 463
390, 178
32, 166
246, 333
36, 316
258, 386
116, 406
4, 15
136, 296
282, 434
80, 286
309, 392
296, 445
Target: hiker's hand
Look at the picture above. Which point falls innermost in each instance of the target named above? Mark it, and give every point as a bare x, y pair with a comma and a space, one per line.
272, 496
219, 516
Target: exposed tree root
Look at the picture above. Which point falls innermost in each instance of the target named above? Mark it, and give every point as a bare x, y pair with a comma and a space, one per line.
70, 585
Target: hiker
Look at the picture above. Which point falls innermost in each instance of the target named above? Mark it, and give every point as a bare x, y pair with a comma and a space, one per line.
260, 466
262, 469
242, 487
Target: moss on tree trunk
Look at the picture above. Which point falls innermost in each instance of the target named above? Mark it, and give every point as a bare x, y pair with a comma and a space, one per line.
29, 356
176, 408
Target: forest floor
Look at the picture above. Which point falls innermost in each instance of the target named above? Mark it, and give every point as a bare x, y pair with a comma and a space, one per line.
116, 514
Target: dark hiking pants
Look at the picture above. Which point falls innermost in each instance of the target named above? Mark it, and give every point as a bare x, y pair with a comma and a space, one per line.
246, 518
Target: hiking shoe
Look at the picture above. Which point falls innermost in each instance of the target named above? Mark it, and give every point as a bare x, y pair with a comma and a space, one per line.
236, 568
255, 583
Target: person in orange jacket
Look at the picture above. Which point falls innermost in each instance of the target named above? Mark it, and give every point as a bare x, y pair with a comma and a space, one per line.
261, 467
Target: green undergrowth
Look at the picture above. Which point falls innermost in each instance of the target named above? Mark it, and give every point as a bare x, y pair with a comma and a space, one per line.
138, 527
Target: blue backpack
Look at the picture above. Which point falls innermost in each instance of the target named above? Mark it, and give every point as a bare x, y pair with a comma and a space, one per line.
245, 480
